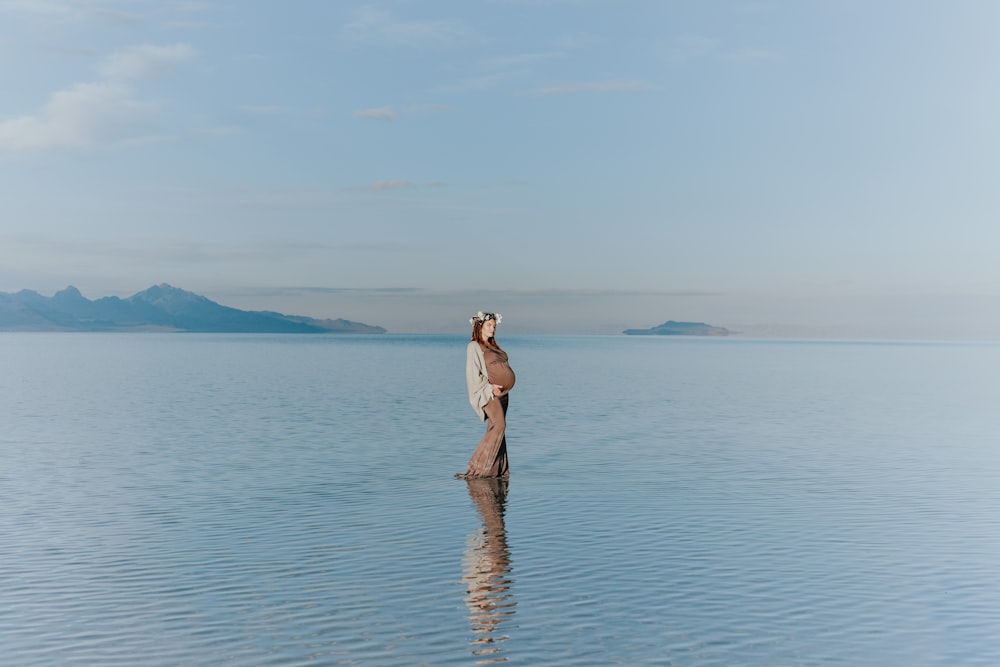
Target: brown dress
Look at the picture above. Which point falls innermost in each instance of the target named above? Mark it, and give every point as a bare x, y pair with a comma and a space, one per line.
490, 457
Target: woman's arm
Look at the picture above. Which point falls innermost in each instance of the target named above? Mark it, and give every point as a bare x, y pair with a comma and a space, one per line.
478, 383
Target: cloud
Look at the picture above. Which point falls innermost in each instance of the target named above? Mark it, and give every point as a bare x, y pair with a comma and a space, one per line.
579, 40
116, 16
696, 47
753, 56
378, 27
520, 60
188, 25
194, 6
41, 8
89, 114
380, 113
68, 10
156, 250
430, 108
477, 83
593, 87
221, 130
395, 184
80, 117
140, 62
687, 47
262, 110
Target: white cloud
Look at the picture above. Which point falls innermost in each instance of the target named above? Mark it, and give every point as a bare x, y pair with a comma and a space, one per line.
89, 114
379, 27
79, 117
380, 113
593, 87
140, 62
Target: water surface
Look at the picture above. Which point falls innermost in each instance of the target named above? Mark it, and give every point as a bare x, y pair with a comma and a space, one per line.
287, 500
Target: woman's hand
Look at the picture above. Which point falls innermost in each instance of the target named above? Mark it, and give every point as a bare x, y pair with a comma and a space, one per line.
497, 389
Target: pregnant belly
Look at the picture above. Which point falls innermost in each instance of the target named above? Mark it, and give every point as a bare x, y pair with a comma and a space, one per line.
502, 375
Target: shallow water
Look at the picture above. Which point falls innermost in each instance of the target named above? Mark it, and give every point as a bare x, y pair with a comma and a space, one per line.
286, 500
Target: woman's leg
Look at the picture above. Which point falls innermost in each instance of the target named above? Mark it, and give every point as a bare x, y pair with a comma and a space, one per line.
490, 457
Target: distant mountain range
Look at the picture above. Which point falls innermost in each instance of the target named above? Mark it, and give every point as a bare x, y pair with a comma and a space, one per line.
671, 328
159, 308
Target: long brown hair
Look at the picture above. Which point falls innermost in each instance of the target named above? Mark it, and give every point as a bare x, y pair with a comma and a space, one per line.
477, 333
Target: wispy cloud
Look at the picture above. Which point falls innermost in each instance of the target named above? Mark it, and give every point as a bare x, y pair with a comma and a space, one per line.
188, 25
262, 109
698, 47
38, 8
221, 130
687, 47
579, 40
395, 184
89, 114
497, 71
379, 113
194, 5
477, 83
388, 184
141, 62
430, 108
115, 16
69, 10
521, 60
594, 87
372, 26
152, 250
754, 55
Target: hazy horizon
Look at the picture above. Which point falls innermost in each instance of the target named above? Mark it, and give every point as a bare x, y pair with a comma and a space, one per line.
791, 169
569, 312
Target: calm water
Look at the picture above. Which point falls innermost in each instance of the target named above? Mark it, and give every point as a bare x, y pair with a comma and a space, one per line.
262, 500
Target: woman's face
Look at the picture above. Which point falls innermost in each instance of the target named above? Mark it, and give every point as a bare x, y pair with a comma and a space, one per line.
489, 328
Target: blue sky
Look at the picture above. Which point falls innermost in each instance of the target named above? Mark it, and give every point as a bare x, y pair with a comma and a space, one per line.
822, 168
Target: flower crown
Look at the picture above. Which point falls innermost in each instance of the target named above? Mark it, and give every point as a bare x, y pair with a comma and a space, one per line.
482, 317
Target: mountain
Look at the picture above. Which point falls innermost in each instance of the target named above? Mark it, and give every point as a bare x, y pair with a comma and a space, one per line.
671, 328
159, 308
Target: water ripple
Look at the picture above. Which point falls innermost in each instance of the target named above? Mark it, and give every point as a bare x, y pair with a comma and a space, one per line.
286, 501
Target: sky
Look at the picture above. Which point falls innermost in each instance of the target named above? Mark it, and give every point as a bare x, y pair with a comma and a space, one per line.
824, 168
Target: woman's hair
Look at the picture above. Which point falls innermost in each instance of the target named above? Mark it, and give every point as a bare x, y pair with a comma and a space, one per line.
477, 329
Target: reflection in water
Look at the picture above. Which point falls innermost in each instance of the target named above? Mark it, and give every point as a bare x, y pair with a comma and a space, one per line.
486, 571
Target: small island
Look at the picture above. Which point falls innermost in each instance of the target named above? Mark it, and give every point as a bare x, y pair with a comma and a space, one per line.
671, 328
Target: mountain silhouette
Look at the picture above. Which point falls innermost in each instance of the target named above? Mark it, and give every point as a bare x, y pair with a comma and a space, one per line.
159, 308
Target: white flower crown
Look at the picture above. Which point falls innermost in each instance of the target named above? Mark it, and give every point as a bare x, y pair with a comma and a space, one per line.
482, 317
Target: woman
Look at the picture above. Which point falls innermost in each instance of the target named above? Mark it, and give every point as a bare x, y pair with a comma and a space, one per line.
489, 379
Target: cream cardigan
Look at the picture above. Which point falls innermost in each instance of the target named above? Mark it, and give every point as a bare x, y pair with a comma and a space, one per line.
480, 391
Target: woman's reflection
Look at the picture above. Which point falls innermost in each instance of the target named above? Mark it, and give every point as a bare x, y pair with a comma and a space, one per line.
486, 570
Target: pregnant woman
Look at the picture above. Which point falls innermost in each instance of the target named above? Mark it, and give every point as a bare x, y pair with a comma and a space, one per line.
489, 379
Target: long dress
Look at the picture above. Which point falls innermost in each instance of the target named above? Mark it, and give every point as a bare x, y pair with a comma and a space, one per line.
490, 457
